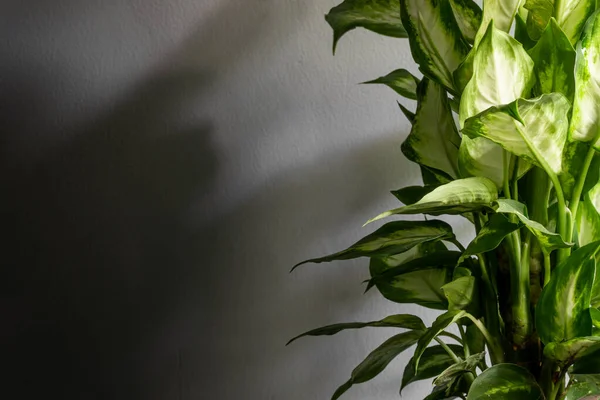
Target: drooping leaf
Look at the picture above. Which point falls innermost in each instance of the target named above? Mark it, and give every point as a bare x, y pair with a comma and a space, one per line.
468, 16
491, 235
505, 381
441, 323
435, 39
566, 353
562, 310
433, 362
433, 141
458, 369
379, 16
588, 363
554, 59
457, 197
421, 286
404, 321
585, 122
461, 293
548, 240
499, 59
411, 194
400, 81
378, 359
394, 266
535, 130
392, 238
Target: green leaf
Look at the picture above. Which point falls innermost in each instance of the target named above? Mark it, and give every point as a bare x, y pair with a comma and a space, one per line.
411, 194
400, 81
548, 240
433, 362
588, 217
499, 59
421, 285
585, 122
468, 16
588, 363
457, 197
433, 140
595, 314
491, 235
572, 16
535, 130
410, 116
379, 16
583, 391
441, 323
521, 33
458, 369
474, 339
566, 353
379, 359
540, 12
392, 238
461, 293
562, 310
554, 59
505, 381
405, 321
435, 39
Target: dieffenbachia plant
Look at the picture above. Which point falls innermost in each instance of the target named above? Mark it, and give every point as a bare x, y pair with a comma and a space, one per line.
506, 131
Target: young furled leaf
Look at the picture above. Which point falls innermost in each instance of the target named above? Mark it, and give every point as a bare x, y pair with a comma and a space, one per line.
505, 381
392, 238
585, 122
379, 359
379, 16
467, 365
400, 81
435, 39
457, 197
404, 321
499, 58
562, 311
468, 16
433, 140
554, 59
535, 130
433, 362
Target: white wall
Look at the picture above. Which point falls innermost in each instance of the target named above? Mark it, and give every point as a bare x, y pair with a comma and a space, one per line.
167, 162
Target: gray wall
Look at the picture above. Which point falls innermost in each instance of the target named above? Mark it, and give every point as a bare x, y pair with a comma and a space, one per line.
164, 163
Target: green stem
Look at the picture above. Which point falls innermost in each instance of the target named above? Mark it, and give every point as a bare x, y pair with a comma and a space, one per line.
452, 336
458, 244
496, 353
547, 268
452, 355
576, 197
506, 184
464, 340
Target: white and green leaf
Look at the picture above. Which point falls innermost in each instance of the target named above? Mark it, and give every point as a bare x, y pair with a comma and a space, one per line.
392, 238
585, 122
566, 353
499, 59
491, 235
379, 359
554, 59
379, 16
535, 130
562, 312
505, 381
433, 140
588, 217
468, 16
572, 15
457, 197
435, 39
404, 321
400, 81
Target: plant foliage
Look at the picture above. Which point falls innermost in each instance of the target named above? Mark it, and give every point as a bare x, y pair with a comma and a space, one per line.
505, 131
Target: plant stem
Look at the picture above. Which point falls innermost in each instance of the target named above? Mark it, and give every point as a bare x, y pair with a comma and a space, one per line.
452, 336
576, 197
464, 340
452, 355
458, 244
547, 268
496, 353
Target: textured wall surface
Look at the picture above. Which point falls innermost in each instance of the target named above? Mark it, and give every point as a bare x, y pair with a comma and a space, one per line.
165, 162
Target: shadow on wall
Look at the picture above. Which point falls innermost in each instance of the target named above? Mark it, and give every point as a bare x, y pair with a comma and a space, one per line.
99, 262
